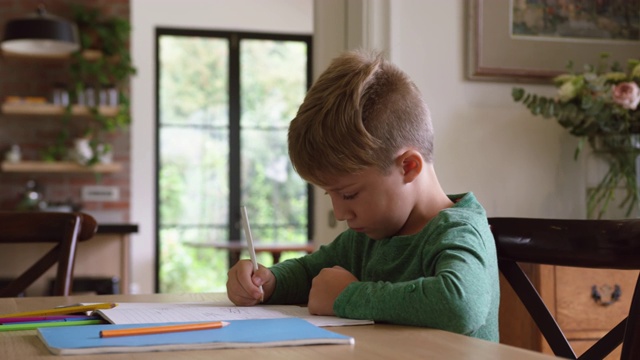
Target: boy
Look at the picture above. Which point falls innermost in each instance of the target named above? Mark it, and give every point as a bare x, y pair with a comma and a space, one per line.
413, 255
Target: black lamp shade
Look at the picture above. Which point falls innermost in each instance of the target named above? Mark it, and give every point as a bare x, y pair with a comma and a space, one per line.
40, 34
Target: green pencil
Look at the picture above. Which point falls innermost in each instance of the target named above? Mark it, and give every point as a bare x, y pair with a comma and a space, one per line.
35, 325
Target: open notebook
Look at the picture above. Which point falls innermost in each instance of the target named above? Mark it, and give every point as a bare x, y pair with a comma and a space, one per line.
77, 340
141, 313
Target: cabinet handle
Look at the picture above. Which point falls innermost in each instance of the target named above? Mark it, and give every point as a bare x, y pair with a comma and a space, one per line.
613, 293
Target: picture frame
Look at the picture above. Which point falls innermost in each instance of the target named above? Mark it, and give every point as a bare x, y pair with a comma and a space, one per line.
495, 55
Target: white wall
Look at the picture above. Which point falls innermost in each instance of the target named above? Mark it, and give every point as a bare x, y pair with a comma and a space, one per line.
516, 164
292, 16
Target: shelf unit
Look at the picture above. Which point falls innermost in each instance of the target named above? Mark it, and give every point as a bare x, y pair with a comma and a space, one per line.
48, 109
58, 167
87, 54
45, 109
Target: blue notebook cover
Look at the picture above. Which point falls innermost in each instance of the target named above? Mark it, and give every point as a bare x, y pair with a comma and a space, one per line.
238, 334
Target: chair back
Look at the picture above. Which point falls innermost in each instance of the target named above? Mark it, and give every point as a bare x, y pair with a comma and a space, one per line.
604, 244
64, 230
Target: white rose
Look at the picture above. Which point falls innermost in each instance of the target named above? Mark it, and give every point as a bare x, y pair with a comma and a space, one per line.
569, 86
627, 95
567, 91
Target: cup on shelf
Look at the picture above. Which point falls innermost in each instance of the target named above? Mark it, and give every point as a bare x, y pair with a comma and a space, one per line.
105, 153
14, 155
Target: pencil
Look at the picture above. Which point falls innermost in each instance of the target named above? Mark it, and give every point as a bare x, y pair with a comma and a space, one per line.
251, 248
44, 318
62, 310
36, 325
162, 329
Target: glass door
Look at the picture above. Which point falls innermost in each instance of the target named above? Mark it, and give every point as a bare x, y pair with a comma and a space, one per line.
225, 100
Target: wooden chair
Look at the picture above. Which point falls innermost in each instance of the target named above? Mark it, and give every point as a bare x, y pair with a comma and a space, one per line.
64, 230
610, 244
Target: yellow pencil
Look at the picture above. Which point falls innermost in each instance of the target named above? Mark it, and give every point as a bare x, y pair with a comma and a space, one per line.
162, 329
63, 310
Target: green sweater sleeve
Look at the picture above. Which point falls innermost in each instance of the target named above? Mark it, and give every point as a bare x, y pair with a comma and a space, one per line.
454, 293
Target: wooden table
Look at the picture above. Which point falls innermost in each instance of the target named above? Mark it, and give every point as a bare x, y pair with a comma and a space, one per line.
236, 247
377, 341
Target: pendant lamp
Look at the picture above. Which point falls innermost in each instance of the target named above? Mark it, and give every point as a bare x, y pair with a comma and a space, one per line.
40, 34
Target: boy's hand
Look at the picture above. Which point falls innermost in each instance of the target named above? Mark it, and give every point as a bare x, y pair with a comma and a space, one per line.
326, 287
243, 285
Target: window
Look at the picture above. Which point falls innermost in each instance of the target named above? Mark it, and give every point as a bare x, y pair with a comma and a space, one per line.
224, 103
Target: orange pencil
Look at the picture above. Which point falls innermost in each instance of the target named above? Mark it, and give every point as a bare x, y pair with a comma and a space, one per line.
162, 329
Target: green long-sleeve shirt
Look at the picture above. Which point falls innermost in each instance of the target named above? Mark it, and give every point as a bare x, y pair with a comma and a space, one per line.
445, 276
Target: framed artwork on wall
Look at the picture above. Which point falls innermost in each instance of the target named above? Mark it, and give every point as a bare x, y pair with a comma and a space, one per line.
533, 41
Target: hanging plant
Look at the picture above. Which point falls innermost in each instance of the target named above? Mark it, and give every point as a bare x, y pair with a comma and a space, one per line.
99, 73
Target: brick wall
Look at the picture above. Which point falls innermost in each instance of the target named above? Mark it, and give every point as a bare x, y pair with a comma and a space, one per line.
29, 77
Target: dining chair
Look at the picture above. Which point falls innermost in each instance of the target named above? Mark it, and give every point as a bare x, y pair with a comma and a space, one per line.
600, 244
64, 230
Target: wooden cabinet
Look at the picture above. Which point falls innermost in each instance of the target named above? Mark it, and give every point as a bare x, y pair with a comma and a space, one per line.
568, 293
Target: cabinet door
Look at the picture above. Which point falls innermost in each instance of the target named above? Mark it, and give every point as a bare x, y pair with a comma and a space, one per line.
568, 294
578, 314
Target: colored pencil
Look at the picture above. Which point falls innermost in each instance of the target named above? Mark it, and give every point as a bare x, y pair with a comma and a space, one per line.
53, 323
43, 318
61, 310
28, 319
162, 329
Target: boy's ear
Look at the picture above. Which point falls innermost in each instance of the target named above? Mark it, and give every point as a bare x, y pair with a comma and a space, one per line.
411, 162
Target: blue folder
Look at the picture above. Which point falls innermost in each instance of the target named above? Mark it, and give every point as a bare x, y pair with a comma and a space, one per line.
238, 334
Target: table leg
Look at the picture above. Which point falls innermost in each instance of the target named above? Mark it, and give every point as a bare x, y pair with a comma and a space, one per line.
234, 257
125, 265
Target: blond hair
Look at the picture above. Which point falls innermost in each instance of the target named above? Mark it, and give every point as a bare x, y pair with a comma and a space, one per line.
359, 113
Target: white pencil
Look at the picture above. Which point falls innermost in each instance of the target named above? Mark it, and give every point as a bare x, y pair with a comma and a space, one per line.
251, 248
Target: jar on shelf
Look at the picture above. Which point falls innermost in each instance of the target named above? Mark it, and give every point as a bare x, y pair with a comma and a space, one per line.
90, 96
108, 95
60, 94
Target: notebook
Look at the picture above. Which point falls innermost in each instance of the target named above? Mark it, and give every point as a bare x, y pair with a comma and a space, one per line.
77, 340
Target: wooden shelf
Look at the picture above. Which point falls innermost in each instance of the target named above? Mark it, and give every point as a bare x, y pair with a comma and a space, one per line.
58, 167
88, 54
51, 109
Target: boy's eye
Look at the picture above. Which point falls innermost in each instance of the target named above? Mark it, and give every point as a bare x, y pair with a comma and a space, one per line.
349, 196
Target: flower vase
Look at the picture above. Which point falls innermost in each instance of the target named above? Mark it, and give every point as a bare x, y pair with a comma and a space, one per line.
614, 194
82, 151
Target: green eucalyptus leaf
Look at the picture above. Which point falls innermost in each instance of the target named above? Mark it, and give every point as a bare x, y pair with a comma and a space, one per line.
517, 94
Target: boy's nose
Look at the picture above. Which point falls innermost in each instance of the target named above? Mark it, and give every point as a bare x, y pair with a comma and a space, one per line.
341, 212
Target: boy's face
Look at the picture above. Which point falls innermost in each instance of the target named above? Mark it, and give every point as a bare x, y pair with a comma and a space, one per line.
371, 202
